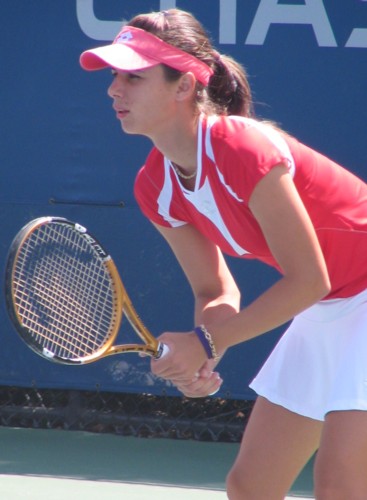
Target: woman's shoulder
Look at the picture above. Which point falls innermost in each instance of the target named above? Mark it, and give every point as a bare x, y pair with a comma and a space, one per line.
245, 138
154, 157
226, 127
241, 127
150, 173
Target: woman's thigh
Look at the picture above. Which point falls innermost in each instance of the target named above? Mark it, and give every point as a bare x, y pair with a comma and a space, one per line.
276, 445
341, 463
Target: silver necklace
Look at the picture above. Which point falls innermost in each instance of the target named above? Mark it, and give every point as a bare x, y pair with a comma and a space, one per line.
180, 174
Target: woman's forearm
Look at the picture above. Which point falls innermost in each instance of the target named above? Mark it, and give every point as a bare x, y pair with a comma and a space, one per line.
209, 311
276, 306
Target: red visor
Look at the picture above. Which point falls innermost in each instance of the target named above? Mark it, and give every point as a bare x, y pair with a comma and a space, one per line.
135, 49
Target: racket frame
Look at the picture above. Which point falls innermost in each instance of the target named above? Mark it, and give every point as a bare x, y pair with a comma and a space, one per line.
151, 346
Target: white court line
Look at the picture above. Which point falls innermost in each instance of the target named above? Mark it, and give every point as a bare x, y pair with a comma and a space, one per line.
15, 487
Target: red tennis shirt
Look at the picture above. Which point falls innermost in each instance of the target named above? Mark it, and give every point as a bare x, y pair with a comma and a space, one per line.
234, 153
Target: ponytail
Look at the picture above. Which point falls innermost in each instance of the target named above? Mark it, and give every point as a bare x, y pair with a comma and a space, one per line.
229, 90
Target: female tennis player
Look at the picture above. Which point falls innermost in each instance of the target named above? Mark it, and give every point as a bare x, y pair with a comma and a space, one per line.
220, 181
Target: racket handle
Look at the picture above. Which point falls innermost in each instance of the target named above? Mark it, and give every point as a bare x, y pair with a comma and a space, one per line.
162, 350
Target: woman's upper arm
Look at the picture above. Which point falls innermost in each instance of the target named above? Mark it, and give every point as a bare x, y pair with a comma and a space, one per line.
287, 226
201, 261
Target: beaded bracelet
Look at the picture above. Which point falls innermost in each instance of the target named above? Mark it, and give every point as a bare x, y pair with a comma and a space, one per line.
207, 342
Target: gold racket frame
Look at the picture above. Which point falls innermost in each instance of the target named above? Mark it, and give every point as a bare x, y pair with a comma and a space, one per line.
151, 345
123, 305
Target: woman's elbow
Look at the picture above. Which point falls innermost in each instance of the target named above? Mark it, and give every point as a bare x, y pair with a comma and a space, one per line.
320, 286
311, 285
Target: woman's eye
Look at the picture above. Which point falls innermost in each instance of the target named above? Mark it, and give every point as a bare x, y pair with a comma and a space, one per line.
126, 76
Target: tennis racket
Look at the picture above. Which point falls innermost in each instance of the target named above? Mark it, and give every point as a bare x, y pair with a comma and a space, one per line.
65, 296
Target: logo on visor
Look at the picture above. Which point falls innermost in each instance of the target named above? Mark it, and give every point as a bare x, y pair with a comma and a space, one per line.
124, 37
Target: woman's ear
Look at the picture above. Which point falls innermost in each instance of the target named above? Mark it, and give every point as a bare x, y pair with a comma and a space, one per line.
186, 87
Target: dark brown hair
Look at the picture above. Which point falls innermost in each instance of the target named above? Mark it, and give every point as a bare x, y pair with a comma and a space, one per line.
228, 91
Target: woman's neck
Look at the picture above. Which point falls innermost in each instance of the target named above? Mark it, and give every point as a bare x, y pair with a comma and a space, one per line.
179, 145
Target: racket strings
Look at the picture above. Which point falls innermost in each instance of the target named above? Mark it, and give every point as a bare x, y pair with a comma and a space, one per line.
64, 293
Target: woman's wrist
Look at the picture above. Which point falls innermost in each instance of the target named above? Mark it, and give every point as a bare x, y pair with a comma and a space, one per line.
207, 342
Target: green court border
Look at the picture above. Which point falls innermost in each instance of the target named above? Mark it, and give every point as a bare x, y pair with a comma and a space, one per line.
77, 455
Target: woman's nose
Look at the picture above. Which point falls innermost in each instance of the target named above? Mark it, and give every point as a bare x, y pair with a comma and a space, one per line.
115, 89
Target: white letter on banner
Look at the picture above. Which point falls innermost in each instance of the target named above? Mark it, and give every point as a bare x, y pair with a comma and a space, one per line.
167, 4
93, 27
104, 30
358, 39
227, 21
270, 12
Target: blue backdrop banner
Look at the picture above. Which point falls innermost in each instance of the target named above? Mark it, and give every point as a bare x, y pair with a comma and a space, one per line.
62, 151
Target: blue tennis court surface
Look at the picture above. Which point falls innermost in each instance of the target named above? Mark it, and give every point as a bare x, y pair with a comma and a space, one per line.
52, 464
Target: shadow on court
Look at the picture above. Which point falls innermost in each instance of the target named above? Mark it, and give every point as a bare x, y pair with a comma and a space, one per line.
74, 455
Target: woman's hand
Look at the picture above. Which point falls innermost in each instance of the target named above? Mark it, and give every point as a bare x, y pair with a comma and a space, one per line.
183, 362
186, 364
207, 383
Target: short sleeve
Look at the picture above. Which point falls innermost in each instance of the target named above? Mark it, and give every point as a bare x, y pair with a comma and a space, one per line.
245, 150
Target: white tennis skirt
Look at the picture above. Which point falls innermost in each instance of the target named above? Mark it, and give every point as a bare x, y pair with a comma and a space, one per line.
320, 363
